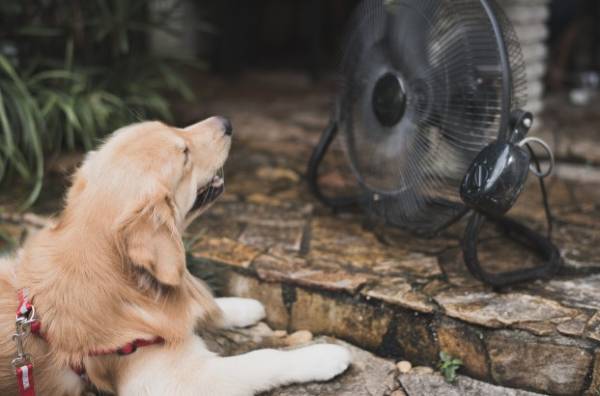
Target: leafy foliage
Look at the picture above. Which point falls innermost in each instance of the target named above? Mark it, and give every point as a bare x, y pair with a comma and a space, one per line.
448, 366
72, 71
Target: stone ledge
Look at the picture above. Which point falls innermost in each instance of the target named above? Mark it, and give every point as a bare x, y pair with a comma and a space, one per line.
433, 384
555, 365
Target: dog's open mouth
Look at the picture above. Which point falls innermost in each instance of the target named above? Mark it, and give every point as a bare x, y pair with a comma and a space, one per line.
210, 192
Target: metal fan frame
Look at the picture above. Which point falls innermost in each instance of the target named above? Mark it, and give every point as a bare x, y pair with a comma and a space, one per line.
510, 130
503, 132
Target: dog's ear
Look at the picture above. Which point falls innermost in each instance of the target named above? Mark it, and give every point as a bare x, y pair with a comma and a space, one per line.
149, 239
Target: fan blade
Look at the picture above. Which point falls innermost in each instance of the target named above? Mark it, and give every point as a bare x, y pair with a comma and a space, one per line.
444, 56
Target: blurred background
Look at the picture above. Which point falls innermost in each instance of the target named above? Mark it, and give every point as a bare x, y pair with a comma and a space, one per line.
72, 71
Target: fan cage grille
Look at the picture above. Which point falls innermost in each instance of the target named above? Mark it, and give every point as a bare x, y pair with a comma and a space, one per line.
447, 56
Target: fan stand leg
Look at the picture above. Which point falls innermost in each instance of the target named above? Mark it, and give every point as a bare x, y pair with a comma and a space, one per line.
519, 233
312, 174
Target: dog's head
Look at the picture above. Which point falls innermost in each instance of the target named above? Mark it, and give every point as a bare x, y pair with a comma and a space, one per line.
143, 185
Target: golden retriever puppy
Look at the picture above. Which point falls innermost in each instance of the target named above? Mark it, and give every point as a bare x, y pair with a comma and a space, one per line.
110, 275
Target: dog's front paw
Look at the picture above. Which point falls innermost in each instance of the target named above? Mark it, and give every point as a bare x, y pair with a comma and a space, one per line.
240, 312
319, 362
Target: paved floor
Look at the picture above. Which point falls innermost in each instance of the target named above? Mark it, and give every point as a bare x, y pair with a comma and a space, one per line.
380, 288
383, 289
369, 374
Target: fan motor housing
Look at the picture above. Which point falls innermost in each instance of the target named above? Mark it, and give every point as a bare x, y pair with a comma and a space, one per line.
389, 100
496, 178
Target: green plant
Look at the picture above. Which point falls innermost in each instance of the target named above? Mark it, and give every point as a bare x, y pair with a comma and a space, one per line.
72, 71
448, 366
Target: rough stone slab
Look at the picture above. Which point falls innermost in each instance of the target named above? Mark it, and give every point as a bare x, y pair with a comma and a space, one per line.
368, 376
541, 328
415, 264
211, 224
499, 310
361, 249
574, 327
398, 291
356, 258
350, 319
355, 246
415, 339
464, 342
290, 215
582, 292
579, 244
435, 385
225, 251
331, 281
214, 227
284, 238
586, 216
430, 246
276, 173
275, 267
593, 327
572, 172
524, 361
296, 270
594, 389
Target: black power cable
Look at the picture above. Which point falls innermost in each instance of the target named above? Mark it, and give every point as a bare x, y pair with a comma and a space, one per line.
543, 246
549, 217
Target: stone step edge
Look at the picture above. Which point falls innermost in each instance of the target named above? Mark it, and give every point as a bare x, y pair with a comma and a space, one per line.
498, 356
359, 286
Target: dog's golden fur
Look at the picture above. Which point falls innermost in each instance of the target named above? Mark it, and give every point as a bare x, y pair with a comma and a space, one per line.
111, 268
92, 274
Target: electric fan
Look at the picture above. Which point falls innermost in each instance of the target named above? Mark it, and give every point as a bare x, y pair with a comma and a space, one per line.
431, 114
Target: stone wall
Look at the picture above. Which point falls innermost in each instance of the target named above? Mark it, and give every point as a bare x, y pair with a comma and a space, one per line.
552, 364
529, 18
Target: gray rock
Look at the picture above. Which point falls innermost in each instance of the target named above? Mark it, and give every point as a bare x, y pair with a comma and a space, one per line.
499, 310
416, 384
557, 365
369, 375
577, 292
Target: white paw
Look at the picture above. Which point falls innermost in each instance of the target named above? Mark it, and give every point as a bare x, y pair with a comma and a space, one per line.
319, 362
240, 312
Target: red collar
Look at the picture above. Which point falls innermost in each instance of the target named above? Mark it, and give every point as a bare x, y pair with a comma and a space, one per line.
28, 322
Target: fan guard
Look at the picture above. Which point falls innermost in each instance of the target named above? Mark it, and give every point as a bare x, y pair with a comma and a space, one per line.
440, 62
429, 109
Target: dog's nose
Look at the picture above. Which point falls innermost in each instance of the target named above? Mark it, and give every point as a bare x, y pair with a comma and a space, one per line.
227, 127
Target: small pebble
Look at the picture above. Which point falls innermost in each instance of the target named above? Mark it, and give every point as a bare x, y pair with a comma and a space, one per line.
398, 392
421, 370
404, 366
299, 337
279, 333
